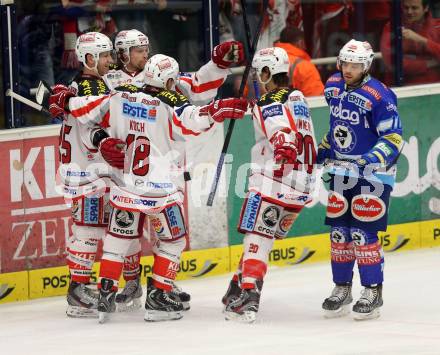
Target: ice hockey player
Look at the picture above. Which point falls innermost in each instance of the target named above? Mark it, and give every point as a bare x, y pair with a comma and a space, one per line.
132, 47
89, 212
146, 122
365, 129
280, 183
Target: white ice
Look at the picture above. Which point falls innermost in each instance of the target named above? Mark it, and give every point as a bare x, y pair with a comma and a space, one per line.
290, 319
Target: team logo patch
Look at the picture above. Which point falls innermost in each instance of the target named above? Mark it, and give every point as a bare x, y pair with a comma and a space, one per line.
337, 236
337, 205
344, 136
124, 219
275, 110
157, 225
367, 208
287, 222
270, 216
359, 237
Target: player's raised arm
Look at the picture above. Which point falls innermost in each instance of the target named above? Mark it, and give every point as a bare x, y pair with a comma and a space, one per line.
202, 86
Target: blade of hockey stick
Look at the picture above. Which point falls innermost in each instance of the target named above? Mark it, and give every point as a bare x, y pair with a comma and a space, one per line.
26, 101
252, 50
43, 86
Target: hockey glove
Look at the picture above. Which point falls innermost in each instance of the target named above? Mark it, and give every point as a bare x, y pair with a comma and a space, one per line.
112, 150
227, 109
368, 164
323, 151
285, 155
59, 100
285, 151
227, 54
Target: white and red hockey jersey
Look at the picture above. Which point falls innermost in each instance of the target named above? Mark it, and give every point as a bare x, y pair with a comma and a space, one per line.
277, 112
199, 87
81, 165
148, 123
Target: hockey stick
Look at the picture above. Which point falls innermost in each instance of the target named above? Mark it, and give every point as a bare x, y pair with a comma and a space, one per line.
250, 47
252, 50
26, 101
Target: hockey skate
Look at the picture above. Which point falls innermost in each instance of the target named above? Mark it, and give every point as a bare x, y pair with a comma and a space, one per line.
106, 302
160, 306
232, 293
82, 302
177, 294
337, 305
244, 309
129, 299
367, 307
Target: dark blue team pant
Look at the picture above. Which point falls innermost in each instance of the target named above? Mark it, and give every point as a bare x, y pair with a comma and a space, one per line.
356, 211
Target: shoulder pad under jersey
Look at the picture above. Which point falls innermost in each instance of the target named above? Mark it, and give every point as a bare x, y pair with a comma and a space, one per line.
88, 86
172, 98
128, 88
277, 95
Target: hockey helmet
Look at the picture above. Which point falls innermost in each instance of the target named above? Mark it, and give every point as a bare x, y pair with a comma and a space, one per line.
356, 52
159, 69
92, 43
131, 38
275, 58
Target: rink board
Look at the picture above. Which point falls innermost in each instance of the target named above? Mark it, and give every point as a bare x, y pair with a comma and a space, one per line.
47, 282
35, 221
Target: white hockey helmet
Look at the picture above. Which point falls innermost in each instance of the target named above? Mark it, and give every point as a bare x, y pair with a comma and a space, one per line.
356, 52
124, 40
159, 69
92, 43
275, 58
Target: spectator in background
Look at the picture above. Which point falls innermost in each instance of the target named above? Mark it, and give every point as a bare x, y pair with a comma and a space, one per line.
35, 45
303, 74
421, 43
77, 20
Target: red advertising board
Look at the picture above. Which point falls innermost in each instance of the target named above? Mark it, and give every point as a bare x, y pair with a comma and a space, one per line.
35, 221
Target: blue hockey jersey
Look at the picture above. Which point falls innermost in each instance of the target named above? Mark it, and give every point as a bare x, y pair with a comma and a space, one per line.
364, 123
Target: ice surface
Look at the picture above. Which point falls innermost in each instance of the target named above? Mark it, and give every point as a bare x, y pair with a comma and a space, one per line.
290, 319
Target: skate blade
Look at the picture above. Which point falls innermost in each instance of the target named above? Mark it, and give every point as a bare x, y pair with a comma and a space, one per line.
366, 316
130, 306
161, 316
340, 312
186, 306
81, 312
103, 317
247, 317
